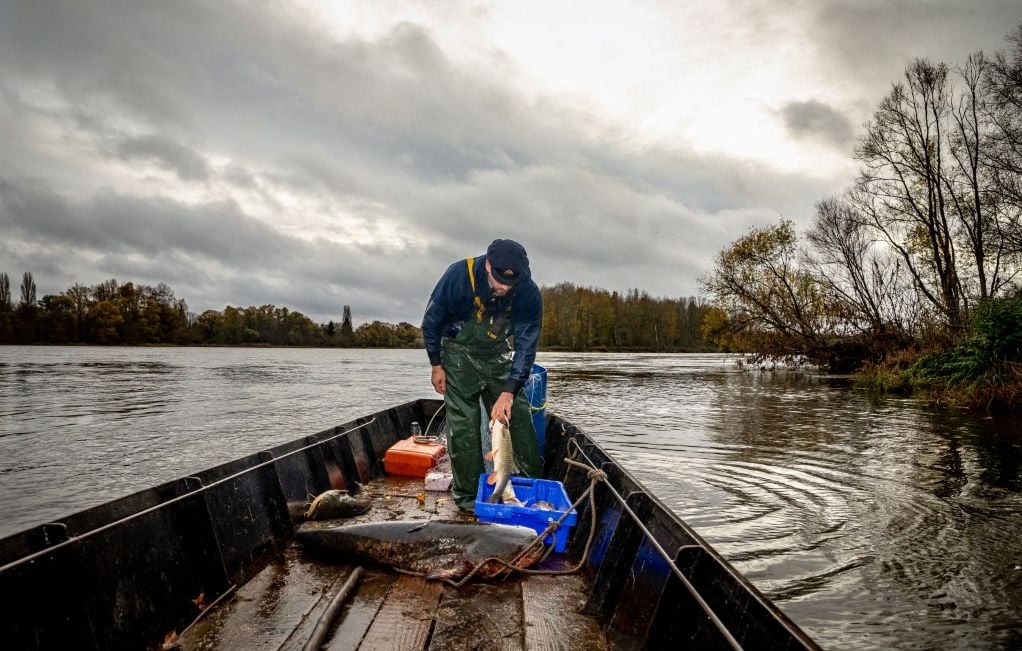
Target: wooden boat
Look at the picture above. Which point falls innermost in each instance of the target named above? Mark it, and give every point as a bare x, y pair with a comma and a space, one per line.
208, 561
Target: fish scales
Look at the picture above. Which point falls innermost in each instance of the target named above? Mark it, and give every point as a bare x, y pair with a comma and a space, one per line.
502, 455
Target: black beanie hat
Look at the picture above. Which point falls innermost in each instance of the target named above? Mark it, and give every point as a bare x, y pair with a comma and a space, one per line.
509, 263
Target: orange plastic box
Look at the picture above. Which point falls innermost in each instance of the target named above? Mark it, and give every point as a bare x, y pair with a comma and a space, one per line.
407, 458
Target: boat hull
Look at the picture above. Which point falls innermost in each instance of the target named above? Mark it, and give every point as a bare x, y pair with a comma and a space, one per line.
130, 573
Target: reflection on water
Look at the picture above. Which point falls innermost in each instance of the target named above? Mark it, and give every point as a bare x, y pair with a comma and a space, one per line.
873, 523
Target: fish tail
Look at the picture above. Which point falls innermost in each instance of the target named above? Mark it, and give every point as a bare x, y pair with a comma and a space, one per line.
498, 490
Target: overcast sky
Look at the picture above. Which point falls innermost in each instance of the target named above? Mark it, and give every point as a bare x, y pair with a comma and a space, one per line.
316, 154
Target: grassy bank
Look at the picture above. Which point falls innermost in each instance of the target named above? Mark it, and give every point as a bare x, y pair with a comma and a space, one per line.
982, 371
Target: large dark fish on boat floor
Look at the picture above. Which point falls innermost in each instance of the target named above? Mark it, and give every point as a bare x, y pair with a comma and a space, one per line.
339, 504
439, 549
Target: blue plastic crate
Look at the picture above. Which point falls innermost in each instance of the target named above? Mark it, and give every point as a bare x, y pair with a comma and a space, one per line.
529, 491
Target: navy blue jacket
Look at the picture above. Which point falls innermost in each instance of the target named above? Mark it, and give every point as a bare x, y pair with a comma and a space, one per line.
452, 303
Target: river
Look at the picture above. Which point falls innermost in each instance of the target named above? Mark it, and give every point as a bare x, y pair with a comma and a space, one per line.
874, 523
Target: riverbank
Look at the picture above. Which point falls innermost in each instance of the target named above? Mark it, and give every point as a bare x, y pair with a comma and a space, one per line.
982, 370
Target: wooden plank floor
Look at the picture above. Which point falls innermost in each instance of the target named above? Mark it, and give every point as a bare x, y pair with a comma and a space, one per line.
359, 613
405, 620
480, 615
280, 606
551, 619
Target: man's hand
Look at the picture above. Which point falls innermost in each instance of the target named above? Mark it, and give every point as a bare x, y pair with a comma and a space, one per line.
439, 379
502, 407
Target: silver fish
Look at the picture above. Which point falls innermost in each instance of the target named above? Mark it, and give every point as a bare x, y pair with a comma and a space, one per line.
502, 455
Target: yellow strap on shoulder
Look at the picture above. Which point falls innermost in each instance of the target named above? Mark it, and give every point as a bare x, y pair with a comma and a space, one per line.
470, 262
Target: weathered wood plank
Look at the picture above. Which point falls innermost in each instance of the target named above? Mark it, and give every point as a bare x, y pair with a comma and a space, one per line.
358, 616
405, 620
266, 611
552, 620
304, 628
479, 616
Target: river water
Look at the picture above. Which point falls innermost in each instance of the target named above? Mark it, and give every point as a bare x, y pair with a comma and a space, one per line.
874, 523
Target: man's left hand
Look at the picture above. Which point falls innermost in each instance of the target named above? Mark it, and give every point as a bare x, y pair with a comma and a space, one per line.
502, 407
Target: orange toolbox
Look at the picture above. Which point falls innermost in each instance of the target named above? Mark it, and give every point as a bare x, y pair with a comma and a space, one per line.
407, 458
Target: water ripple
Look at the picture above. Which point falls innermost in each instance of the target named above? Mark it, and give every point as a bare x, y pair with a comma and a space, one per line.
873, 523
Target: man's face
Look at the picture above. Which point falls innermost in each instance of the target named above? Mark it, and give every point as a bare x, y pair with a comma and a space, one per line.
498, 288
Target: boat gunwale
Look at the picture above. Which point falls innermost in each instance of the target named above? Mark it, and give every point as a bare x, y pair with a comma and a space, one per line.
353, 450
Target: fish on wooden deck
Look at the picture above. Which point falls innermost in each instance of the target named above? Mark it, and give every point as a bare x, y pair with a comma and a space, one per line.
437, 549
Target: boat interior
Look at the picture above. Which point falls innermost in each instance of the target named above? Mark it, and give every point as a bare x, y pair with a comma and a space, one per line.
210, 562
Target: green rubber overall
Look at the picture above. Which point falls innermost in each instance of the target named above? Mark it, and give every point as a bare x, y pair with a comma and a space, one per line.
477, 364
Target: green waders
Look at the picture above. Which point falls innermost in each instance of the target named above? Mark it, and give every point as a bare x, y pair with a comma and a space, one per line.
477, 366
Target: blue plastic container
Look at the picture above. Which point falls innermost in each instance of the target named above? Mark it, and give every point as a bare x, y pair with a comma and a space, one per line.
535, 392
530, 491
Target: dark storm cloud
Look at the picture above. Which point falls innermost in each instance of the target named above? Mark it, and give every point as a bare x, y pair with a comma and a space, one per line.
209, 253
138, 225
874, 40
189, 165
813, 119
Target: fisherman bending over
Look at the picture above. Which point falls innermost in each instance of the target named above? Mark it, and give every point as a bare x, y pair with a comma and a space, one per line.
478, 305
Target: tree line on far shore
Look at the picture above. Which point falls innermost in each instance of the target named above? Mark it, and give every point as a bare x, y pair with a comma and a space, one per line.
913, 273
132, 314
588, 319
574, 318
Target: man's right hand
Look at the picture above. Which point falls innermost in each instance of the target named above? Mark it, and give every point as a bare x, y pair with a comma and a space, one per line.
439, 379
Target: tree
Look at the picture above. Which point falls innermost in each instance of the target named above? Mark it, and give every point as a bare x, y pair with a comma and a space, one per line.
407, 335
209, 324
376, 335
26, 311
28, 291
5, 293
863, 278
80, 304
105, 291
900, 191
771, 304
6, 310
106, 319
1002, 87
347, 332
55, 323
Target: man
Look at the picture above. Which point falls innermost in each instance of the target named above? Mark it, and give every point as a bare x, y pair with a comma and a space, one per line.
477, 305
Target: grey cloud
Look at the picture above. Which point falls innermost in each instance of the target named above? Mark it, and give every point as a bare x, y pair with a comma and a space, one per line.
813, 119
390, 130
136, 225
189, 165
210, 254
875, 41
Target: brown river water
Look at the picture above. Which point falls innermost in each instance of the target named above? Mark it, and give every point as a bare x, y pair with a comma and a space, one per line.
873, 522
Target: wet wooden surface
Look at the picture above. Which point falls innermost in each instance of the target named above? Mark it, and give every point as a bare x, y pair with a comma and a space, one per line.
281, 605
480, 615
551, 619
358, 614
405, 620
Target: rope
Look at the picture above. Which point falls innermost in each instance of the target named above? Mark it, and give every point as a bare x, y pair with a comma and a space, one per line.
432, 418
693, 592
595, 476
